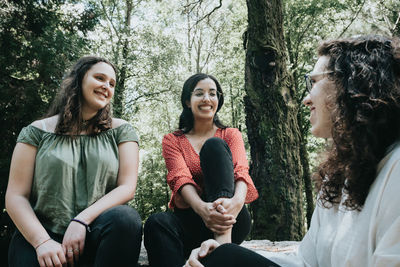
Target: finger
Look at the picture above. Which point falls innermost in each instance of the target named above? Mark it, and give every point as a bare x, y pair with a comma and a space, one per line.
62, 258
222, 219
221, 209
76, 252
207, 247
56, 261
70, 256
217, 202
193, 259
81, 247
204, 248
41, 262
48, 262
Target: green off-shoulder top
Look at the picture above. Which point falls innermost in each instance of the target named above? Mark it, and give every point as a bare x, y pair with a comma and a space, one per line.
71, 173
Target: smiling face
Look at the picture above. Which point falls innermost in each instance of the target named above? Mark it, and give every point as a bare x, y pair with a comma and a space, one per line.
318, 100
204, 100
97, 88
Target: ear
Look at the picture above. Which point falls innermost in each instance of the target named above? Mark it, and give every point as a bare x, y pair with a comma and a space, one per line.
187, 103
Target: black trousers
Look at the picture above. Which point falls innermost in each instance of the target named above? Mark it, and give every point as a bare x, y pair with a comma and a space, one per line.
233, 255
169, 237
114, 240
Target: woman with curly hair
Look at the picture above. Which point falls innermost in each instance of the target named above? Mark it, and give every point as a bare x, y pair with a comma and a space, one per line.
354, 98
70, 174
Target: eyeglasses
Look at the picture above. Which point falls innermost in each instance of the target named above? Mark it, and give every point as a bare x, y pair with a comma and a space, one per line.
213, 95
309, 80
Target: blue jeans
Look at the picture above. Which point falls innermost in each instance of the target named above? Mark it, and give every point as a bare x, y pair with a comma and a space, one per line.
114, 240
169, 237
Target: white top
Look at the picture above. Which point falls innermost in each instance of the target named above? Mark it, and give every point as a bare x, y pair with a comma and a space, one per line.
371, 237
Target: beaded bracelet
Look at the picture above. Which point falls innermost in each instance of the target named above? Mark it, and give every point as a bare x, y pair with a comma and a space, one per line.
83, 223
42, 243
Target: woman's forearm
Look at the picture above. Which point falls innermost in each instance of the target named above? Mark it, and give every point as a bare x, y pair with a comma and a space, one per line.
23, 216
118, 196
191, 197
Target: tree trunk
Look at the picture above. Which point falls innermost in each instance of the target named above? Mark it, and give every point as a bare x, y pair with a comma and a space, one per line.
273, 131
120, 88
308, 188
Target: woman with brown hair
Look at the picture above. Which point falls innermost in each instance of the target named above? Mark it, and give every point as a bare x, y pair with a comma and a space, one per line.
354, 99
70, 174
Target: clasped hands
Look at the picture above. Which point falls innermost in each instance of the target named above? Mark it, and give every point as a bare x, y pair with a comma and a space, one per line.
52, 253
219, 216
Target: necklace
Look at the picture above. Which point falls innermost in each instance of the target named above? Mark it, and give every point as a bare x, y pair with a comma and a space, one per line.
85, 123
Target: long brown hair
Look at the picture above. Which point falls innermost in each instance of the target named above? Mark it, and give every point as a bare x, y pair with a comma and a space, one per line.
366, 116
68, 102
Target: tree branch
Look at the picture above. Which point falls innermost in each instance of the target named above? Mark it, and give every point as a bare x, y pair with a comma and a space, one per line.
396, 28
134, 100
209, 14
352, 20
109, 18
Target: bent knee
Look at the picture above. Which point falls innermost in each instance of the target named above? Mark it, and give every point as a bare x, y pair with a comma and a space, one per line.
125, 218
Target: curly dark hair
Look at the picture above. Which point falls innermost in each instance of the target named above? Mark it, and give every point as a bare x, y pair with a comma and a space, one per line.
186, 119
68, 102
366, 115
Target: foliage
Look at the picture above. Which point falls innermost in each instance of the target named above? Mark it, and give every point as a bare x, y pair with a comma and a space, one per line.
156, 45
38, 40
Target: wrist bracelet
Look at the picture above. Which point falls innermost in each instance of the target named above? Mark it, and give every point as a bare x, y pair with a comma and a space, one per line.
42, 243
83, 223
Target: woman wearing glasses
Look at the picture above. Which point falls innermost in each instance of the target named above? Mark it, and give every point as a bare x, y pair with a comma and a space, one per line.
208, 176
354, 98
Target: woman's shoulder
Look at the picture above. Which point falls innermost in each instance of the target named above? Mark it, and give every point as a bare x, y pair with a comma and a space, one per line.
123, 131
116, 122
47, 124
173, 138
174, 135
34, 133
230, 132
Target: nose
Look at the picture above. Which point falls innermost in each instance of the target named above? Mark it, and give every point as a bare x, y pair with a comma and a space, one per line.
307, 100
206, 96
106, 85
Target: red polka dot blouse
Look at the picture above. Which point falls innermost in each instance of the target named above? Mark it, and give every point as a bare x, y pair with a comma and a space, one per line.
183, 164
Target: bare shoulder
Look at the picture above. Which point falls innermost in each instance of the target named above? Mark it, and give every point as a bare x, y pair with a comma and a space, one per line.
47, 124
118, 122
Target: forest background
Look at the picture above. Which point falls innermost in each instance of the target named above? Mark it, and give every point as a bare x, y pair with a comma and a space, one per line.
258, 50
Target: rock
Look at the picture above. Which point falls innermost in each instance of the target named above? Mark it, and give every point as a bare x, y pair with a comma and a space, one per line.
286, 247
259, 246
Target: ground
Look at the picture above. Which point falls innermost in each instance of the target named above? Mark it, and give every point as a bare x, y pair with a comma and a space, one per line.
258, 246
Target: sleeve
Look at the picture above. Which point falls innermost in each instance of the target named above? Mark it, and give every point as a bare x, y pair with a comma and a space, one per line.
387, 251
240, 163
126, 133
307, 248
178, 172
30, 135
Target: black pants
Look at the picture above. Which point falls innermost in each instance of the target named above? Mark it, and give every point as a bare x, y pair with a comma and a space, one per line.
169, 237
233, 255
114, 240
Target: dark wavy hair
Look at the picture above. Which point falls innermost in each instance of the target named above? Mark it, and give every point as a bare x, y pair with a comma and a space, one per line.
365, 115
68, 102
186, 119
